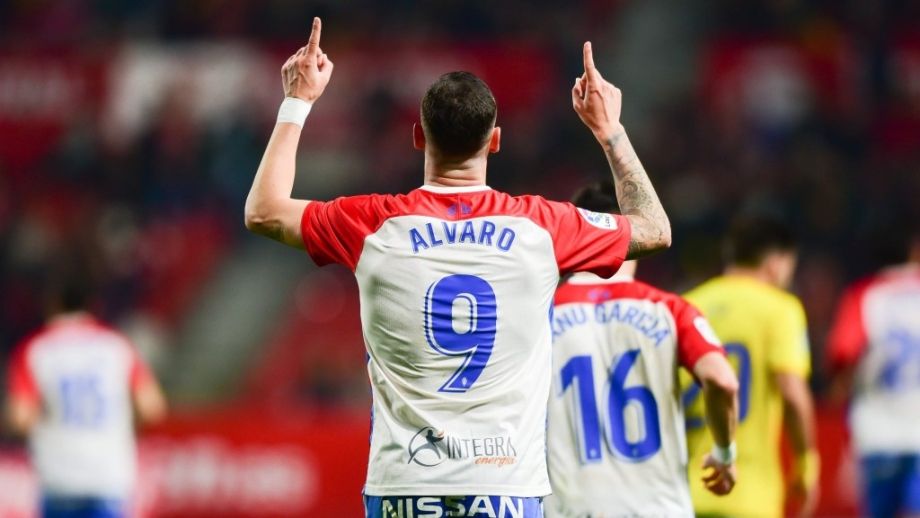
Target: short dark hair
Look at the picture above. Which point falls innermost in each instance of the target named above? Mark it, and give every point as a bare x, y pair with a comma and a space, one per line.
458, 114
597, 197
752, 236
70, 287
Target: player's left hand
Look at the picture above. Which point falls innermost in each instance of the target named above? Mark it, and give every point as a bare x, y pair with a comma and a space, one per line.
306, 73
721, 478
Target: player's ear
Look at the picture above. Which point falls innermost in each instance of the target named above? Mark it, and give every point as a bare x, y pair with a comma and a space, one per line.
780, 267
770, 266
418, 137
495, 141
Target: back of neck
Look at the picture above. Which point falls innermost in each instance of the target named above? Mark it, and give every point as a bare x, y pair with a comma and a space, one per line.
443, 172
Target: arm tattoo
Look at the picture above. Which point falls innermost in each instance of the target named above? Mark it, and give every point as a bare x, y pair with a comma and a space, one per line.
638, 201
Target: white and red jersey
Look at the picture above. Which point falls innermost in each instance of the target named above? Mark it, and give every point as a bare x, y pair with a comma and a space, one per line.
877, 329
616, 422
456, 287
81, 373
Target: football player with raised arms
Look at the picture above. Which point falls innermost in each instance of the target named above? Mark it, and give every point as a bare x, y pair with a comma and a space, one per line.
616, 423
456, 284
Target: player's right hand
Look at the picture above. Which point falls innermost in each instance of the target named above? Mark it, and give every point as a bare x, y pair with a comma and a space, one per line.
306, 73
721, 478
596, 101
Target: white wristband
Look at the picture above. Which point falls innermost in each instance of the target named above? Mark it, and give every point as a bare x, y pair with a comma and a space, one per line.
294, 110
725, 455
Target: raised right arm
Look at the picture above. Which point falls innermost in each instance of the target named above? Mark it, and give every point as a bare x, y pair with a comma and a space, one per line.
598, 104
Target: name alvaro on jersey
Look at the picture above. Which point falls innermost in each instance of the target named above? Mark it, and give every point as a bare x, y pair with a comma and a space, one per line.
430, 448
479, 231
648, 324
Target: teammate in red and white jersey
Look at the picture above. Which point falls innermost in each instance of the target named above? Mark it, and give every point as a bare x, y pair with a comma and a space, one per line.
616, 443
74, 388
874, 350
456, 283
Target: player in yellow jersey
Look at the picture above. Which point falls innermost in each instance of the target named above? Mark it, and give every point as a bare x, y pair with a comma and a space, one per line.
763, 329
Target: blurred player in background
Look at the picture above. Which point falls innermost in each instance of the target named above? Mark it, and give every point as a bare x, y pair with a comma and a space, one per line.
456, 285
616, 438
763, 329
74, 389
874, 350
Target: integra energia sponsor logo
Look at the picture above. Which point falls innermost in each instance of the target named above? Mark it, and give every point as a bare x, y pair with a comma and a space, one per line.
425, 448
430, 447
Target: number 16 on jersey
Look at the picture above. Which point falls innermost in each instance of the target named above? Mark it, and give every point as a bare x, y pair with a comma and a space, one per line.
578, 373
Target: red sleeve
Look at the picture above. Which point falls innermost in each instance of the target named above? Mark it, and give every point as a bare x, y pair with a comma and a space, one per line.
695, 337
334, 232
847, 338
586, 241
22, 384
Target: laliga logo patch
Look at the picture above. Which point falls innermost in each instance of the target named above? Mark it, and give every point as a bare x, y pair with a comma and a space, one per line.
599, 219
424, 448
706, 331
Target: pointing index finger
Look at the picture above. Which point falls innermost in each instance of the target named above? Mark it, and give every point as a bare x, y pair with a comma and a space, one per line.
590, 70
313, 45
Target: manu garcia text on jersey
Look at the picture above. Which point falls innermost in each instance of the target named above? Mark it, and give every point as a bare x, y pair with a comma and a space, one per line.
570, 316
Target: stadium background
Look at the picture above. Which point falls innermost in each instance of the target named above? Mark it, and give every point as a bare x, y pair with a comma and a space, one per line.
130, 131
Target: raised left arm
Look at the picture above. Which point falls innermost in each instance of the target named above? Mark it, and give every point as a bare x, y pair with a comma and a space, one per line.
270, 210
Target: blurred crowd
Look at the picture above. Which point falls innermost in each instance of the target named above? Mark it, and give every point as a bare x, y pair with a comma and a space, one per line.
155, 209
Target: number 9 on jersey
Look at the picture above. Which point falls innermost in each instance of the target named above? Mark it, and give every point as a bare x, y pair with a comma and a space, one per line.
471, 334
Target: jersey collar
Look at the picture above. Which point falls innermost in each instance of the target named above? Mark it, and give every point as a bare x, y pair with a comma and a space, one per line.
452, 190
